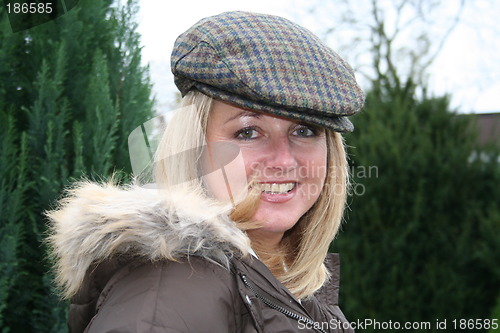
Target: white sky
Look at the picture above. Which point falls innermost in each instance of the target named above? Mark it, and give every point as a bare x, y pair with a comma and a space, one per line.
468, 67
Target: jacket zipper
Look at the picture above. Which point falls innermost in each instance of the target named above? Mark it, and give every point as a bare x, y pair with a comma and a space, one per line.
316, 326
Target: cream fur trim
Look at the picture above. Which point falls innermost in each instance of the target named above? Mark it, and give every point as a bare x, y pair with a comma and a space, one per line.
95, 222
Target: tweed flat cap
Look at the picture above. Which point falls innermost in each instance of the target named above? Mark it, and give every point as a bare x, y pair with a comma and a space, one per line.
267, 63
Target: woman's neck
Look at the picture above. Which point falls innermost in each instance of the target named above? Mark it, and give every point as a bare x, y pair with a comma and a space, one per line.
266, 241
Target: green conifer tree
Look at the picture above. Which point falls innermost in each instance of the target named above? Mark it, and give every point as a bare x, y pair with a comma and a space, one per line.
71, 90
421, 240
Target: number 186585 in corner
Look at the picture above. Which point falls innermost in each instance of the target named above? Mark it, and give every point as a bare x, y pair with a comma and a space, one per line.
475, 324
29, 7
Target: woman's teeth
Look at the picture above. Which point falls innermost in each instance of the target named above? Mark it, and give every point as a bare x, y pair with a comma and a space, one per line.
274, 188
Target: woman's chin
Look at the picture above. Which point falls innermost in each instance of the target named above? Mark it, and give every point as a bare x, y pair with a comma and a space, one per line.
275, 219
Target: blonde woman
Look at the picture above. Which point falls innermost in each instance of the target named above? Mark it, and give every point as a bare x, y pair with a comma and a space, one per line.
250, 187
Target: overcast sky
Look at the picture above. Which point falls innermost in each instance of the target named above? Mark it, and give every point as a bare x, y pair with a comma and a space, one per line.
468, 67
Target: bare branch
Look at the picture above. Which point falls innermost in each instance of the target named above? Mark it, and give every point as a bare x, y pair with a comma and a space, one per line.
443, 40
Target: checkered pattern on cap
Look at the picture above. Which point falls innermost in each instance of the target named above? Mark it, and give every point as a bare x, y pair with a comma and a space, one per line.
267, 63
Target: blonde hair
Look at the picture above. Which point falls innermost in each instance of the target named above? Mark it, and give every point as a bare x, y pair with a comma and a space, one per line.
183, 138
304, 247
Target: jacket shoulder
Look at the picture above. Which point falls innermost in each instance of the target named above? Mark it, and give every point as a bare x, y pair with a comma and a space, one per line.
168, 296
329, 292
324, 303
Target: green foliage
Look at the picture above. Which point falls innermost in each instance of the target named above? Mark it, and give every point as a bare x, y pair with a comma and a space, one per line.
103, 114
422, 238
14, 186
71, 91
495, 314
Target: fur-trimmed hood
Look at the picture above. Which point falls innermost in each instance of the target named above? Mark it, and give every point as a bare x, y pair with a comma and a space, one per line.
95, 222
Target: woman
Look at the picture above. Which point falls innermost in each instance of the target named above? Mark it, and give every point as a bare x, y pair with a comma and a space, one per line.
251, 180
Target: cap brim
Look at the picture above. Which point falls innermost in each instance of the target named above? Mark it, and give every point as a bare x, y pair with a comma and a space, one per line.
334, 123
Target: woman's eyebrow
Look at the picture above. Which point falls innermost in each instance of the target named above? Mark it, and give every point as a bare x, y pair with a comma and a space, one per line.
244, 114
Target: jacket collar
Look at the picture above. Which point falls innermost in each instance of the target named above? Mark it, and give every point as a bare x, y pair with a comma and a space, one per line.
329, 292
263, 282
96, 222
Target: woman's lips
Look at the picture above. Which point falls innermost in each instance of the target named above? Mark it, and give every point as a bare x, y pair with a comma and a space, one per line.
279, 197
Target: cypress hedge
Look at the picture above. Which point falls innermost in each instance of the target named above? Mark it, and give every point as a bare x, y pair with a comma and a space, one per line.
71, 90
421, 242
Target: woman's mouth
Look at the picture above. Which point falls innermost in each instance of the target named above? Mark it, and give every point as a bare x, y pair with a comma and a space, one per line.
277, 192
276, 188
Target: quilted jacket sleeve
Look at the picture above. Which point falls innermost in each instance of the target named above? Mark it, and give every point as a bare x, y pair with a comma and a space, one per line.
168, 297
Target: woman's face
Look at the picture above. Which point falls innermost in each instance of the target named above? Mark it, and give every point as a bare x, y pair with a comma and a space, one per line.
287, 159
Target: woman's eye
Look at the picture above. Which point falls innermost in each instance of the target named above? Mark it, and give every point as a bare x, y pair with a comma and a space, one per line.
304, 131
247, 133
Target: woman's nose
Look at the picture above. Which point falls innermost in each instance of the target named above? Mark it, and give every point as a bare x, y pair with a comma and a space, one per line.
280, 154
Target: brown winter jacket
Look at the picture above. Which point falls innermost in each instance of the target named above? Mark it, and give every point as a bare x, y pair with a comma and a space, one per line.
131, 265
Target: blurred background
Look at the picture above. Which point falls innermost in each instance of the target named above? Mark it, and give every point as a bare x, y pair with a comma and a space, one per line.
421, 237
451, 47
